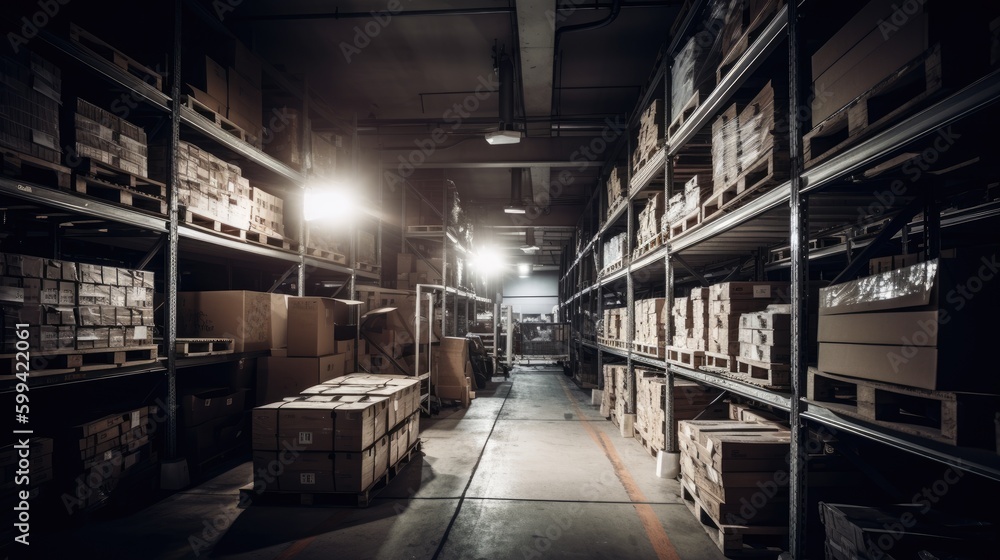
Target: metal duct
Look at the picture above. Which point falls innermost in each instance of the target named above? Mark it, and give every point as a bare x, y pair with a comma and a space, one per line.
506, 76
515, 186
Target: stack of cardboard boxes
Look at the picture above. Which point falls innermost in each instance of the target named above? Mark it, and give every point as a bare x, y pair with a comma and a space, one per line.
696, 191
700, 309
694, 67
72, 305
615, 250
614, 324
683, 321
214, 422
109, 139
651, 135
209, 187
452, 374
31, 96
689, 400
650, 220
231, 89
321, 335
728, 301
617, 187
267, 213
412, 270
107, 449
609, 396
339, 436
650, 324
765, 336
726, 464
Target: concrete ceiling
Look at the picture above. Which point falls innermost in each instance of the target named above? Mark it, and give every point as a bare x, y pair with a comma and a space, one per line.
418, 76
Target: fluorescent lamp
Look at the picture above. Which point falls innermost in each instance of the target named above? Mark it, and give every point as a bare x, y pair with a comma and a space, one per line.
514, 209
503, 137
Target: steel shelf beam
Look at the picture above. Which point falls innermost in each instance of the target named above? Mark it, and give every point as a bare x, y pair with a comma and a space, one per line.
649, 259
65, 200
981, 462
617, 275
109, 70
647, 361
962, 103
616, 351
645, 176
778, 400
773, 33
63, 379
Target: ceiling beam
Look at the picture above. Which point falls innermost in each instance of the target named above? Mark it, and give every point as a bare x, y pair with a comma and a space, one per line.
573, 152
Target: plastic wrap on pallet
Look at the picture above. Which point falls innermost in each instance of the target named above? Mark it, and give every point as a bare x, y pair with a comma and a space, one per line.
725, 148
695, 65
885, 287
614, 249
692, 196
675, 208
755, 134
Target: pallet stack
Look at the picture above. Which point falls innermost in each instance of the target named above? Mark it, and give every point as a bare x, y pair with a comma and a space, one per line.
620, 415
736, 474
612, 376
650, 327
210, 188
78, 306
344, 434
109, 139
765, 346
683, 321
675, 211
31, 96
267, 213
105, 450
651, 135
748, 155
614, 253
617, 186
854, 531
213, 423
727, 302
650, 223
615, 323
743, 21
689, 400
693, 73
700, 307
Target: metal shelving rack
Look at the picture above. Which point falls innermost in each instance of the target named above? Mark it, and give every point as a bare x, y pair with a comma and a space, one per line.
782, 214
177, 238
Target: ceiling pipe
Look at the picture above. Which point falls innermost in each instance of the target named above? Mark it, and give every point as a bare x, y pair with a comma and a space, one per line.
516, 205
506, 74
441, 12
616, 7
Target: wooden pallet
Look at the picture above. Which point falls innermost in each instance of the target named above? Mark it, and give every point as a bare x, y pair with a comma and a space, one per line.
271, 240
195, 218
643, 155
784, 253
98, 188
767, 172
752, 33
425, 229
326, 255
110, 174
774, 376
614, 267
32, 169
192, 347
374, 268
107, 52
647, 350
648, 247
719, 362
220, 121
646, 444
685, 357
73, 360
735, 540
685, 223
900, 94
967, 419
615, 205
684, 113
338, 499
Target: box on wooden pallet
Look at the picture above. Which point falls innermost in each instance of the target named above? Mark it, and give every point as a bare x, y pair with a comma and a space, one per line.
919, 324
33, 93
252, 319
726, 147
617, 186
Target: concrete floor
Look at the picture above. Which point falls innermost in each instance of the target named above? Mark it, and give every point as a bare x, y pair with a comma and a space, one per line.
530, 470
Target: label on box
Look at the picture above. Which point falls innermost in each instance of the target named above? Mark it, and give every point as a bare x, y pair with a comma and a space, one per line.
108, 455
140, 333
305, 438
208, 403
229, 401
763, 291
307, 478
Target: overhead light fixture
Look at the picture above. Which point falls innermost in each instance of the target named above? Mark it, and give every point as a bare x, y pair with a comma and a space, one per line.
529, 241
501, 137
505, 133
329, 202
523, 270
516, 205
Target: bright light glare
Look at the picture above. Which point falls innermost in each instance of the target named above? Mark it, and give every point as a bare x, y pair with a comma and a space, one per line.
488, 260
329, 202
524, 270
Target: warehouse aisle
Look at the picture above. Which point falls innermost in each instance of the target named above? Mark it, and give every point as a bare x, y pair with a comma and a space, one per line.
531, 470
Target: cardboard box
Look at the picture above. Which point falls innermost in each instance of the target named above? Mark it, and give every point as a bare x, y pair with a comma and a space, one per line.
213, 103
245, 99
308, 472
913, 366
278, 377
208, 76
311, 322
857, 28
244, 62
210, 404
246, 317
354, 472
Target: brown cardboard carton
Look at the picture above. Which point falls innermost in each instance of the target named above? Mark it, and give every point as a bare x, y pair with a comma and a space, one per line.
243, 316
307, 424
355, 471
311, 323
913, 366
285, 377
308, 472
